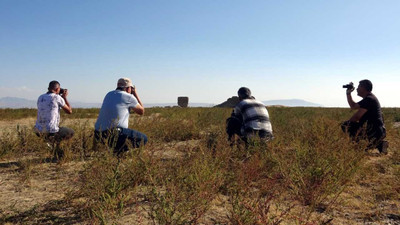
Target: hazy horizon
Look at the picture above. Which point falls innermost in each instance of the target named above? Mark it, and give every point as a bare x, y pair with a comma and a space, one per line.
16, 102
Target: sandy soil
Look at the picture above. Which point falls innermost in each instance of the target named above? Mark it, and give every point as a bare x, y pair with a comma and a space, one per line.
35, 195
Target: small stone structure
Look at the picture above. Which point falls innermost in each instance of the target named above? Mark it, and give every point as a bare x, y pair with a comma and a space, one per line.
229, 103
183, 101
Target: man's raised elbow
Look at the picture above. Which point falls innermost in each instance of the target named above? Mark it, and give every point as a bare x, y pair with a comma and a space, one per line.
67, 110
355, 106
141, 112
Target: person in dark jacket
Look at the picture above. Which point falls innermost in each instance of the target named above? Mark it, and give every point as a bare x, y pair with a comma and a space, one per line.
368, 121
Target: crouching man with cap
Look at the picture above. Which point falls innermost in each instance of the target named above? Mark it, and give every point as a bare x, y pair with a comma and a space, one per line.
249, 119
112, 123
48, 117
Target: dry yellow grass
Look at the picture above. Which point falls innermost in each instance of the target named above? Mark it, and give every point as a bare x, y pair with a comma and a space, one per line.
34, 190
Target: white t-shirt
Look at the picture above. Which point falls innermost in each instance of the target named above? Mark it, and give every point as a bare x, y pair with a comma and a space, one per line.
48, 115
114, 111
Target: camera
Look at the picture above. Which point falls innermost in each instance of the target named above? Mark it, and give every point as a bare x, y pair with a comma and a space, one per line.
349, 86
62, 91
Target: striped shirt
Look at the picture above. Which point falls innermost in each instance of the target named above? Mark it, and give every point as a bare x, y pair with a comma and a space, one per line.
254, 114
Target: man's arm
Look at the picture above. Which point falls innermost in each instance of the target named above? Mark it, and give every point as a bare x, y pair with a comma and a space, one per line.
357, 116
67, 107
139, 109
352, 103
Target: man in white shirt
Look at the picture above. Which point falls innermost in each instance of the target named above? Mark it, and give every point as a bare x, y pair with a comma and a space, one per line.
48, 116
113, 118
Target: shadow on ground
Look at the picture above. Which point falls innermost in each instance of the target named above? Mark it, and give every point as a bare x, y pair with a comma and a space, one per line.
53, 212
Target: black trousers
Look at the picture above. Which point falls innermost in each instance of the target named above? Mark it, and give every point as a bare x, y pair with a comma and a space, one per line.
55, 139
63, 133
374, 135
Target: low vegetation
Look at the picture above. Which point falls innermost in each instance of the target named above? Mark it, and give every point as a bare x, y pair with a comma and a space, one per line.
189, 174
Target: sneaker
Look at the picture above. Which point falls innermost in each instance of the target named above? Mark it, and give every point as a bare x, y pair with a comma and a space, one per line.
383, 147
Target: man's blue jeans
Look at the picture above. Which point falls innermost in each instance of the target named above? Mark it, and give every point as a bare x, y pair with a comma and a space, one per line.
116, 138
137, 138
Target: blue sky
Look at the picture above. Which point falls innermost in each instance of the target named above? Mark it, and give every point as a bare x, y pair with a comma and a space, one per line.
202, 49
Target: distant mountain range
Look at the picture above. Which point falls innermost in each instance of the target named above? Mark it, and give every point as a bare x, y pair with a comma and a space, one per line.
231, 102
14, 102
292, 103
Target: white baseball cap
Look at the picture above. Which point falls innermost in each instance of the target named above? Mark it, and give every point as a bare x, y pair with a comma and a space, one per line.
124, 83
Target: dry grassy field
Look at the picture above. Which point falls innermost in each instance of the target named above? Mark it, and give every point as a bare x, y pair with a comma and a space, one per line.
311, 173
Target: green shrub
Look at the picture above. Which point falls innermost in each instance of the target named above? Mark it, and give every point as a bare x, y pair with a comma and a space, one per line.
318, 168
183, 190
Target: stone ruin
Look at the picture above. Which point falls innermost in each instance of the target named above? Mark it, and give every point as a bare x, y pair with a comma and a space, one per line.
183, 101
229, 103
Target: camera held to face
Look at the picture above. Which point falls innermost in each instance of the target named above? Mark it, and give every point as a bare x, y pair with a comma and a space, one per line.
62, 91
349, 86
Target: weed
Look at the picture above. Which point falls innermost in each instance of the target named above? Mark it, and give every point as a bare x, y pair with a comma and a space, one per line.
7, 144
303, 170
182, 193
25, 169
83, 138
107, 183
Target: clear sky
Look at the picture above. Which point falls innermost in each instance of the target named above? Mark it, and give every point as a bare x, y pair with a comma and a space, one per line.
204, 49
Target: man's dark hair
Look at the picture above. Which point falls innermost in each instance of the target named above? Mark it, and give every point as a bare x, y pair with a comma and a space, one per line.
53, 84
367, 84
244, 93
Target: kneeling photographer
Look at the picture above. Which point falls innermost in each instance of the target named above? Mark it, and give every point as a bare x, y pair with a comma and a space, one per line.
368, 121
249, 119
112, 122
48, 117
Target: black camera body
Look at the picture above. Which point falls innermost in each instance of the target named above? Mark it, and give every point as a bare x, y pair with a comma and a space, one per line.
348, 86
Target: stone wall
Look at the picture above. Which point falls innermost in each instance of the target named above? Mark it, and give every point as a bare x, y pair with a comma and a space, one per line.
183, 101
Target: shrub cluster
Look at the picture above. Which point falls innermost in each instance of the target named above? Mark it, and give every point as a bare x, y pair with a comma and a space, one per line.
302, 170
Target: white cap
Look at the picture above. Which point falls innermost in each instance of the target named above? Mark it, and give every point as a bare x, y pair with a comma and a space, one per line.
124, 83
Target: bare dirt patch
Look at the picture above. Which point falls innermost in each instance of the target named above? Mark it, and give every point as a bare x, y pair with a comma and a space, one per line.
34, 198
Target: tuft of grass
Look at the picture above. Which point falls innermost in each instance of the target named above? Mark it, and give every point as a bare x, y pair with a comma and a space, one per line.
7, 144
82, 143
320, 167
254, 186
182, 190
25, 169
108, 183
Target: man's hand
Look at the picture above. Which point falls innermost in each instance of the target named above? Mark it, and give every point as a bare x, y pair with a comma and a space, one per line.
67, 107
133, 91
349, 90
352, 104
139, 109
65, 94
